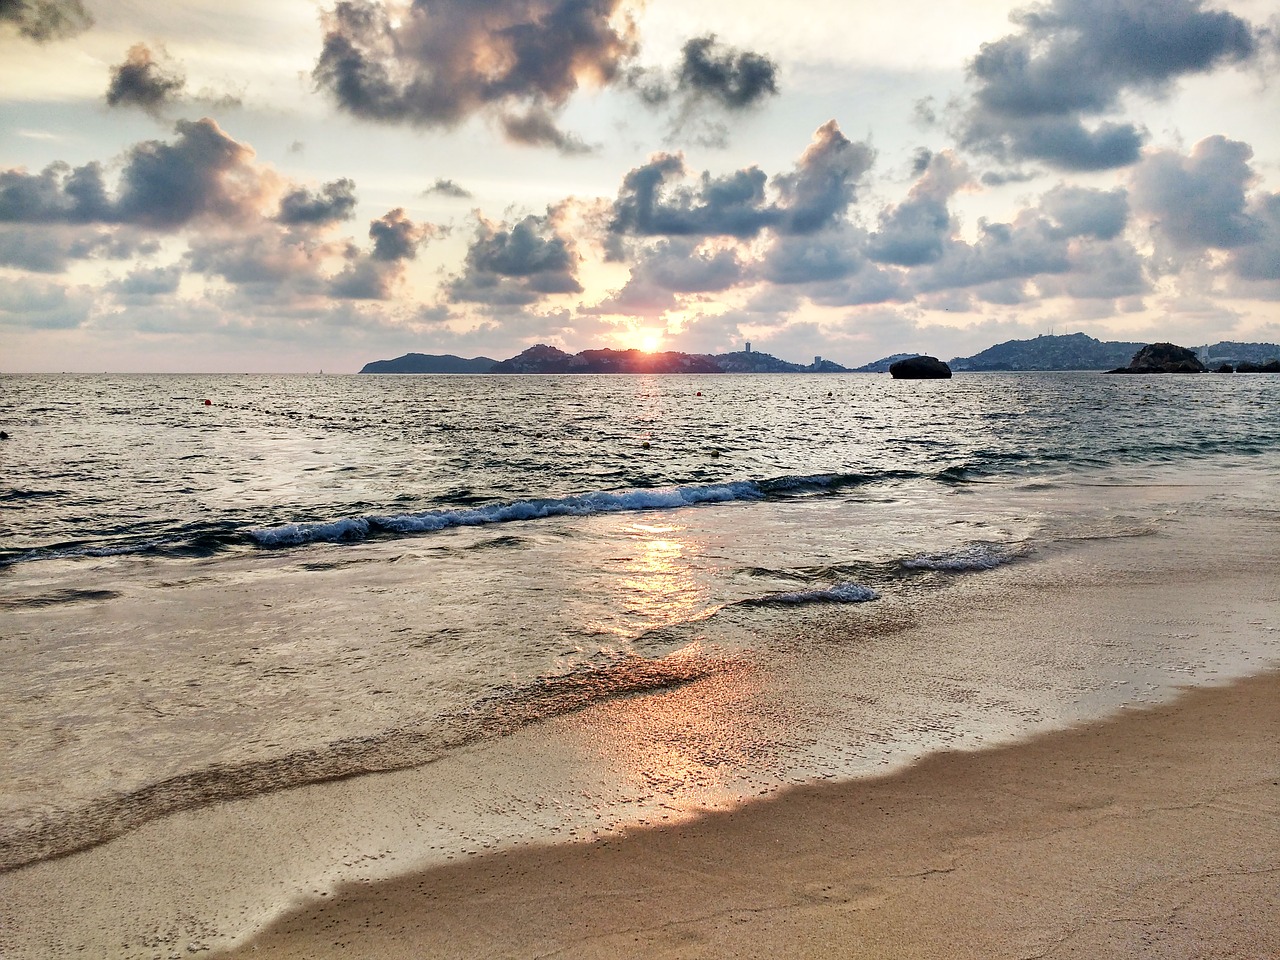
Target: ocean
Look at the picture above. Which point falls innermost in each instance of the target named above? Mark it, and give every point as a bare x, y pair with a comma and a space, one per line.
214, 588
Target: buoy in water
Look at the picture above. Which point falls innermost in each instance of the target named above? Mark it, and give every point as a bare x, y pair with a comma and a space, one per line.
699, 393
208, 403
645, 445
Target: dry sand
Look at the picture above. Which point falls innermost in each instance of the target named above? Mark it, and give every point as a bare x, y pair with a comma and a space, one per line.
1155, 834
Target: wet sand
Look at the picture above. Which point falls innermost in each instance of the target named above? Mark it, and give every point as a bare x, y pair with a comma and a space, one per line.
1154, 834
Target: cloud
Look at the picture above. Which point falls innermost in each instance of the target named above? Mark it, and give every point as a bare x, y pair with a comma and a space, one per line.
376, 274
517, 265
203, 173
1260, 260
1198, 201
143, 283
814, 258
1075, 59
145, 80
735, 79
537, 128
1084, 212
41, 305
710, 72
818, 192
436, 64
45, 20
333, 202
50, 248
917, 230
447, 188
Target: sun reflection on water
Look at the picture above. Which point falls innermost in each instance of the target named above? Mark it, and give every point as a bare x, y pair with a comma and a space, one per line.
657, 582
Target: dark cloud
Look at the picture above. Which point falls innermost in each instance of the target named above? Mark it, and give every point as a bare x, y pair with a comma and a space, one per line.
49, 248
917, 230
396, 237
1198, 201
823, 186
817, 193
869, 285
735, 79
333, 202
377, 274
814, 258
1260, 260
146, 282
1003, 251
537, 128
733, 205
45, 20
1084, 212
447, 188
203, 173
40, 305
276, 260
145, 80
58, 194
437, 63
40, 251
517, 265
998, 178
1075, 59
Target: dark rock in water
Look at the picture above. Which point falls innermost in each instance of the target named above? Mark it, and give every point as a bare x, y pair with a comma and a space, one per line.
920, 368
1163, 358
1271, 366
3, 435
1225, 368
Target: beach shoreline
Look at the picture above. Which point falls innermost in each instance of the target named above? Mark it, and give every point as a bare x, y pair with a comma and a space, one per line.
1155, 833
1021, 786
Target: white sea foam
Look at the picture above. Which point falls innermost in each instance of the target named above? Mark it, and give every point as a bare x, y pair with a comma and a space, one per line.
980, 556
579, 505
840, 593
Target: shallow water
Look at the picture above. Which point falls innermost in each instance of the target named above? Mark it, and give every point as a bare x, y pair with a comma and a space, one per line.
316, 577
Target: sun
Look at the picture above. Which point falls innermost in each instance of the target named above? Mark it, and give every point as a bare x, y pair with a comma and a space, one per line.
649, 341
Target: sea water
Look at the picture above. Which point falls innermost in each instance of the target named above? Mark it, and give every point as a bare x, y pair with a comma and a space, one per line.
219, 587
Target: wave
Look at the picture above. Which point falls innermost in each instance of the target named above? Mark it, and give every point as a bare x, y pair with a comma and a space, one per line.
204, 539
350, 529
978, 556
840, 593
51, 834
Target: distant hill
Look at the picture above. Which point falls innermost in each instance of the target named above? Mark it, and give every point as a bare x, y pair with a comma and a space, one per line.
1228, 351
883, 364
546, 359
1073, 351
428, 363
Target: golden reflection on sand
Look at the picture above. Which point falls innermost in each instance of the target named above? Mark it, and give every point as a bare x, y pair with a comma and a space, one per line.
685, 748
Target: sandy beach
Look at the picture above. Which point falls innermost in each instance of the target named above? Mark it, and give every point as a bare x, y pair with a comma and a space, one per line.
1156, 834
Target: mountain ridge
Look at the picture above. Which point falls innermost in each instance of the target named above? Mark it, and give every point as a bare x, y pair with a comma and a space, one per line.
1072, 351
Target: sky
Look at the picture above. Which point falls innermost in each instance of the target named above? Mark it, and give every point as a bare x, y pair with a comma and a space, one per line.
294, 186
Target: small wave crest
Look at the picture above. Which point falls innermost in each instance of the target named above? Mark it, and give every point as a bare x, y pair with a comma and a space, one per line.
580, 505
840, 593
979, 556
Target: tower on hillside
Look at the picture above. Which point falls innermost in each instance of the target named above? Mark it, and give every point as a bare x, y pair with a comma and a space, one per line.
748, 350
